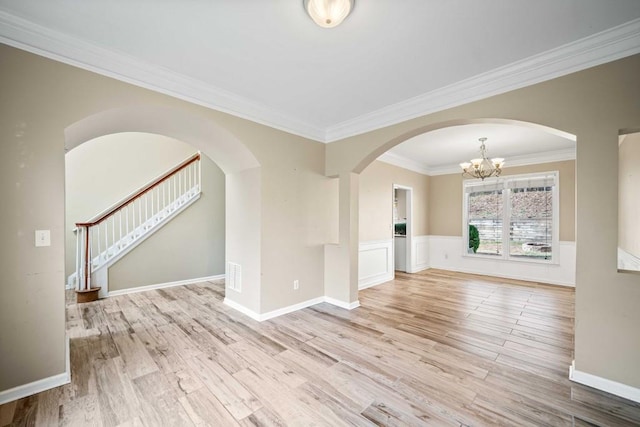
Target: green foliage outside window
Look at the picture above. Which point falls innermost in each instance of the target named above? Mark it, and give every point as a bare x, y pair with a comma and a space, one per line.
474, 238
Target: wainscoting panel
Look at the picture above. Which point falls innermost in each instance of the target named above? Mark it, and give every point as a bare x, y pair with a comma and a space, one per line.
419, 254
375, 263
446, 253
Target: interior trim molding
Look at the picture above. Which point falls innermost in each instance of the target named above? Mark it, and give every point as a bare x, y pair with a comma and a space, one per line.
290, 308
420, 255
600, 48
603, 384
606, 46
524, 160
242, 309
446, 253
26, 35
530, 159
165, 285
405, 163
41, 385
372, 272
342, 304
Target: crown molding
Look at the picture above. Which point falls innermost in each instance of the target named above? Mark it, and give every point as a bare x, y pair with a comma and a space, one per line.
531, 159
404, 163
606, 46
34, 38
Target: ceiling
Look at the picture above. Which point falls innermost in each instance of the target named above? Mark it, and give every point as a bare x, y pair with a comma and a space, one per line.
441, 151
267, 61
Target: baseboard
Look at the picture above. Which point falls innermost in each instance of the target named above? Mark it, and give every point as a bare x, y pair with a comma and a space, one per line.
446, 253
242, 309
375, 280
289, 309
603, 384
38, 386
505, 276
165, 285
418, 268
342, 304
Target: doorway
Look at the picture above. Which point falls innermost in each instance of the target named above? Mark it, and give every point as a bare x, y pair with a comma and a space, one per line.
402, 228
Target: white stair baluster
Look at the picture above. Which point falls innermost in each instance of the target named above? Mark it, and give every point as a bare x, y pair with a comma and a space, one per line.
164, 196
99, 243
113, 233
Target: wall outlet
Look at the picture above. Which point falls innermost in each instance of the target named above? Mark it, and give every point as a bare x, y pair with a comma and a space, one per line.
446, 256
296, 285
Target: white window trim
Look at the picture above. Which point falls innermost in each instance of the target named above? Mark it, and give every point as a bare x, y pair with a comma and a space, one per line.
502, 181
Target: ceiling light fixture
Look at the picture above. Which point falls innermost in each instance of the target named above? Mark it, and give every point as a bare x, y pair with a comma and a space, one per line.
482, 168
328, 13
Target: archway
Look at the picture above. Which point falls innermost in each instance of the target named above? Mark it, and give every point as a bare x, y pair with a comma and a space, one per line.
368, 159
241, 169
349, 174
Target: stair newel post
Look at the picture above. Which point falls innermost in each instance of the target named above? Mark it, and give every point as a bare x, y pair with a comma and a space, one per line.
84, 291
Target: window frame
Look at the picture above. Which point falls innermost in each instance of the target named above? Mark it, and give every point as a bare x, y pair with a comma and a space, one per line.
502, 183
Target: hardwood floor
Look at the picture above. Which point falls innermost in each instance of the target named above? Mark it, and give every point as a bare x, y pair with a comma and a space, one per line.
434, 348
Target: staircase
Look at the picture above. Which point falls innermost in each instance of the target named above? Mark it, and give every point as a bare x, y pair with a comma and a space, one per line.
110, 235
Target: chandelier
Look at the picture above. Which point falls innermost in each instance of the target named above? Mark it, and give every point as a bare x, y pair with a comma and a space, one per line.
328, 13
482, 168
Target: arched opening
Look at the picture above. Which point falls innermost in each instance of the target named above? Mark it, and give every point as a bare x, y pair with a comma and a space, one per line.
172, 233
440, 245
370, 157
240, 167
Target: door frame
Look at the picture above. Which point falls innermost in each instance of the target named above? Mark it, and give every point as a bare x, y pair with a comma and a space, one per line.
409, 236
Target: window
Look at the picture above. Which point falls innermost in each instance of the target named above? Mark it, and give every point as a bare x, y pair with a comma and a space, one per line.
516, 217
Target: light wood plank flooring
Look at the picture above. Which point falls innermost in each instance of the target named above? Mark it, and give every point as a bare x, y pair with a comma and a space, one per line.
434, 348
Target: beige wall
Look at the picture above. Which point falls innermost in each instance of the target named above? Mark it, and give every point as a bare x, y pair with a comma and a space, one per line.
629, 194
594, 105
445, 201
40, 100
376, 200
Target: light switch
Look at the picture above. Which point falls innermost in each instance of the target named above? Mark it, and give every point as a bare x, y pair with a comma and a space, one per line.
43, 237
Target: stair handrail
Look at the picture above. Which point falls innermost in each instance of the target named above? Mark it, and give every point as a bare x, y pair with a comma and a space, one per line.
110, 211
84, 262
